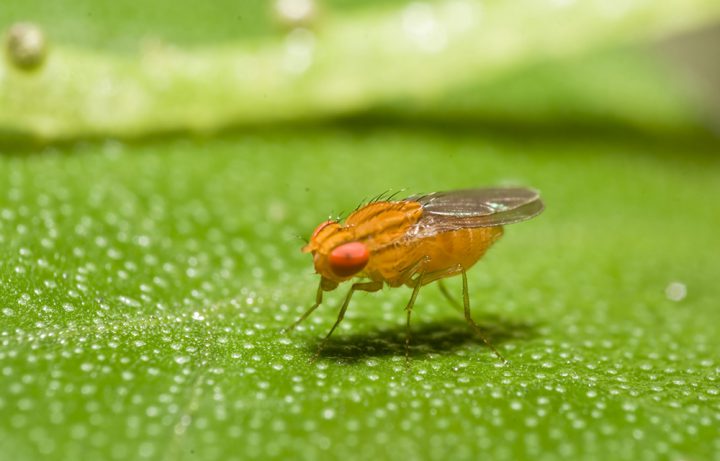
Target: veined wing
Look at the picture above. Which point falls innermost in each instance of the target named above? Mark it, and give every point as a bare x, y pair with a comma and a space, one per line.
452, 210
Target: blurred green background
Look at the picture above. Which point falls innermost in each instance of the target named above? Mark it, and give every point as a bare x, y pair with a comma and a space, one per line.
160, 166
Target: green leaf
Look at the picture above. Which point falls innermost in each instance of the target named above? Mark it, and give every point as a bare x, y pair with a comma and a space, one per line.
354, 63
143, 286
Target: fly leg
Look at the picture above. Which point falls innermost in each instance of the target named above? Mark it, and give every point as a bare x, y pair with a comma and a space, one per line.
318, 300
471, 322
407, 278
363, 286
448, 296
408, 309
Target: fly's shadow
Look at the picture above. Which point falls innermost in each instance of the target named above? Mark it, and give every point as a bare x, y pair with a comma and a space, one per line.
438, 337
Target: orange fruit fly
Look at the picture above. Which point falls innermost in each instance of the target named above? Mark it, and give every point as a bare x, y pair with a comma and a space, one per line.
413, 242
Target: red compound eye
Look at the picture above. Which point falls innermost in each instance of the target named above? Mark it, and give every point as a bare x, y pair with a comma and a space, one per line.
348, 258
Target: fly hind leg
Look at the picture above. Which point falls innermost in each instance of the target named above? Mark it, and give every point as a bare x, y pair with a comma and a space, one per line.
454, 302
471, 322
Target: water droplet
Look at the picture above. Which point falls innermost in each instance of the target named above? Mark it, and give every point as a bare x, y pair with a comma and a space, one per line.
422, 27
295, 12
26, 46
676, 291
299, 51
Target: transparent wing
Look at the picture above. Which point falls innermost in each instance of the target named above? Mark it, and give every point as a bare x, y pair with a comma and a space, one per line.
445, 211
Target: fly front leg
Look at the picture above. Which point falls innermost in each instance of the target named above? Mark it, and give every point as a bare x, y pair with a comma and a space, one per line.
471, 322
362, 286
325, 285
318, 301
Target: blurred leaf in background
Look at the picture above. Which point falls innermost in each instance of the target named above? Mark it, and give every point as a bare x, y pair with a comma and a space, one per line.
353, 61
159, 164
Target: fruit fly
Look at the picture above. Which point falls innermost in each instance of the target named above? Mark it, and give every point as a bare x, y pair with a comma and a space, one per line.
413, 242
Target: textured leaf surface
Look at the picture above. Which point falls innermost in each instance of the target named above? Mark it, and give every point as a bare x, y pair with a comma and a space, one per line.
142, 288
